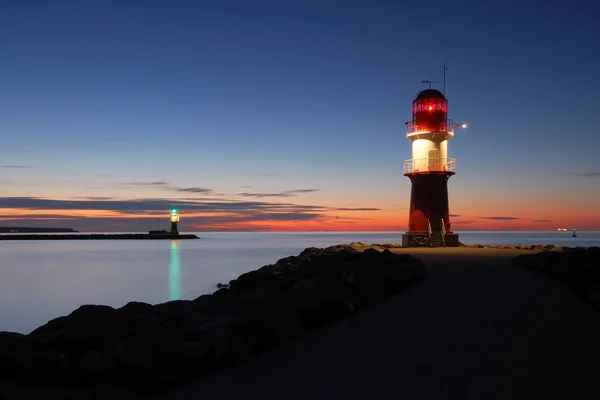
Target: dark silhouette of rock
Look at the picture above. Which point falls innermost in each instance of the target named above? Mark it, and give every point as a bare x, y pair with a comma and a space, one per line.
536, 247
145, 349
578, 268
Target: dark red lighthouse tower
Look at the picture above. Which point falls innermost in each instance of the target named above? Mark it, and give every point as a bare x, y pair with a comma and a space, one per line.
429, 171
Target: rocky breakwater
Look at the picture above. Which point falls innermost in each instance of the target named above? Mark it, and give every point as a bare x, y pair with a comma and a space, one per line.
147, 349
536, 247
578, 268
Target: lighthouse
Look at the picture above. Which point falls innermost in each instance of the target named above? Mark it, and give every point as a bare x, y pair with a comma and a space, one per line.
429, 170
174, 221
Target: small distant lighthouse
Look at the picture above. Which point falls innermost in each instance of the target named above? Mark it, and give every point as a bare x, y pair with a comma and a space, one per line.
429, 171
174, 221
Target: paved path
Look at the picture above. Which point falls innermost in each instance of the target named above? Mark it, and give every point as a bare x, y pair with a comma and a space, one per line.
476, 328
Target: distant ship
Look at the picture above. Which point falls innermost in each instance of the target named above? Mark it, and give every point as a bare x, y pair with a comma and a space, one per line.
561, 230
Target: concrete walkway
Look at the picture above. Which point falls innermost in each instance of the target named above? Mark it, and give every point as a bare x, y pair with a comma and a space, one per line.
476, 328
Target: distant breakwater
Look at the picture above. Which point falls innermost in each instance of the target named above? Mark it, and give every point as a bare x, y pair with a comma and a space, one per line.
141, 350
98, 236
28, 229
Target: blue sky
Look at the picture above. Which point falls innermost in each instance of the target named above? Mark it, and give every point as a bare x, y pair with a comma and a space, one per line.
272, 96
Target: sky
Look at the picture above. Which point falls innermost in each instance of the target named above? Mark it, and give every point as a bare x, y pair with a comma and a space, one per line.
289, 116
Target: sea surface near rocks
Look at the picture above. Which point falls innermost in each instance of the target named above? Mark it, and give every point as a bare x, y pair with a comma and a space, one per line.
43, 279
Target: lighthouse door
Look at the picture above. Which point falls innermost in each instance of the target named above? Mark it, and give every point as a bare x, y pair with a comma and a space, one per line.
434, 160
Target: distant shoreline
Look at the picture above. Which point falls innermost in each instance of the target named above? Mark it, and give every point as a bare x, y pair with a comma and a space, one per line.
26, 229
99, 236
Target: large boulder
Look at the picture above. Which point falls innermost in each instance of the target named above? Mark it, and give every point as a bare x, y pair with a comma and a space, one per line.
148, 349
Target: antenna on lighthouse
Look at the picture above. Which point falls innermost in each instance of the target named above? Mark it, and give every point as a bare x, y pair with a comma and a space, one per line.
429, 81
445, 69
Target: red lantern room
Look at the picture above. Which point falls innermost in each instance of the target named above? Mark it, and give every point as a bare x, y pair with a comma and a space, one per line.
430, 112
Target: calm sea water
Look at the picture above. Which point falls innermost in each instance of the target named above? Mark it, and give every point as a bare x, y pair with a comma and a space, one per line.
41, 280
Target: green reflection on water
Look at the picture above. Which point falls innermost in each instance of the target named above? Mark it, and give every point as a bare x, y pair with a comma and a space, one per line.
174, 272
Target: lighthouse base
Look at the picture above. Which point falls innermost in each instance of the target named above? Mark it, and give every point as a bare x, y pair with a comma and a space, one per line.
422, 239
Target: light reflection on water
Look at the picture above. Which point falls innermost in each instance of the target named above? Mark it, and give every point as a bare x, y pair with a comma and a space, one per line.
174, 272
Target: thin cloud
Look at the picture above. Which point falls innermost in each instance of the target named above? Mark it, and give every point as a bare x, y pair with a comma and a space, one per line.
262, 195
166, 186
338, 219
357, 209
287, 193
455, 215
298, 191
192, 190
202, 190
155, 183
586, 174
95, 198
17, 166
542, 220
205, 198
499, 218
463, 222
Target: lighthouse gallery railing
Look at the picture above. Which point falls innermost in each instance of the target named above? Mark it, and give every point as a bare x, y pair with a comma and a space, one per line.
444, 126
429, 164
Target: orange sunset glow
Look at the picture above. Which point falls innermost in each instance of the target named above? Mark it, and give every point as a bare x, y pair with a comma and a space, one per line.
306, 218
